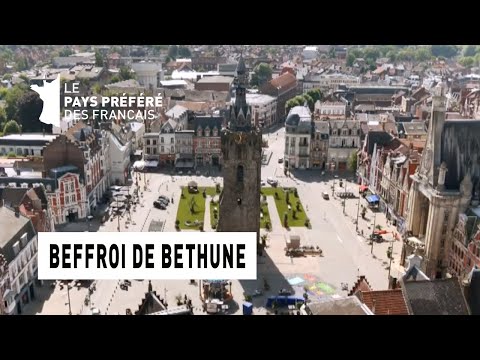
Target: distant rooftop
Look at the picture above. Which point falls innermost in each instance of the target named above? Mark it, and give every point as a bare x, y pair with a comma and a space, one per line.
29, 137
215, 79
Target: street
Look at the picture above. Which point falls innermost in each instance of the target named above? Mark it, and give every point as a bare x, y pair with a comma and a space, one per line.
346, 254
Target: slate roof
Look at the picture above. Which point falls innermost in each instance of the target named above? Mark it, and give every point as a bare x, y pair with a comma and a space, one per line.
461, 151
436, 297
13, 227
12, 196
381, 138
208, 121
385, 302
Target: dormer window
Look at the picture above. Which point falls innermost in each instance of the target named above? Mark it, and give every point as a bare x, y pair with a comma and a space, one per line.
199, 131
215, 132
207, 132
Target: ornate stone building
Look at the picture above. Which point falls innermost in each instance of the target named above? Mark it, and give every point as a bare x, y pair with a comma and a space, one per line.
444, 183
242, 158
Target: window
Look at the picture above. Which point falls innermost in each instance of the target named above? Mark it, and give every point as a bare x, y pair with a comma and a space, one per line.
162, 149
172, 149
172, 141
240, 174
154, 151
162, 140
154, 142
148, 141
3, 150
148, 151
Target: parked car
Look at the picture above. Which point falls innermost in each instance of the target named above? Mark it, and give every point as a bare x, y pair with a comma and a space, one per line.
280, 160
163, 197
325, 195
272, 182
263, 183
159, 205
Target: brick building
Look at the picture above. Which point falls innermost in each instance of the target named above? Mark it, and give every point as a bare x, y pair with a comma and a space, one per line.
32, 203
206, 142
283, 87
87, 150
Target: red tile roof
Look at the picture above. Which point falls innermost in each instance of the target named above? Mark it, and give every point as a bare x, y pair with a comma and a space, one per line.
361, 285
385, 302
283, 81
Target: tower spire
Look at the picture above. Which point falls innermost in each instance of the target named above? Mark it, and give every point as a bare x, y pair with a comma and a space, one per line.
240, 116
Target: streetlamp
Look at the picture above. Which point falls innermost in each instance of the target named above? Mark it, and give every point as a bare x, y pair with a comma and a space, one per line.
89, 218
390, 255
358, 212
373, 230
69, 304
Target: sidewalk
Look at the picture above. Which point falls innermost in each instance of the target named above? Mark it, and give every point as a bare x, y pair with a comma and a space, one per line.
369, 225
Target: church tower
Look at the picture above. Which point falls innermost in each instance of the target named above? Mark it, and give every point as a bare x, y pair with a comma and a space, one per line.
242, 159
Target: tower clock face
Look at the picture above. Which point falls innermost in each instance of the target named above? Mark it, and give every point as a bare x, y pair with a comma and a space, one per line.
240, 138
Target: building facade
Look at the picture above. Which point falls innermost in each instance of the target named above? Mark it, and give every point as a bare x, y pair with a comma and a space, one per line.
68, 200
330, 110
319, 145
207, 141
264, 109
284, 88
24, 144
343, 141
298, 136
151, 146
19, 246
167, 143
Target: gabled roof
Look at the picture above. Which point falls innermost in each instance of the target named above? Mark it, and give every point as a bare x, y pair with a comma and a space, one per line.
284, 81
385, 302
361, 285
436, 297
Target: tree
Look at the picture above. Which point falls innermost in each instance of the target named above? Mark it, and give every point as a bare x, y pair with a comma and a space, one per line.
467, 61
11, 127
371, 54
173, 51
309, 100
3, 118
114, 79
469, 50
65, 52
125, 73
11, 99
184, 52
447, 51
391, 55
316, 94
350, 59
261, 74
28, 112
331, 52
352, 162
98, 59
423, 54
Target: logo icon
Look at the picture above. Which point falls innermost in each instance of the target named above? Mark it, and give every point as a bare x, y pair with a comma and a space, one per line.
50, 95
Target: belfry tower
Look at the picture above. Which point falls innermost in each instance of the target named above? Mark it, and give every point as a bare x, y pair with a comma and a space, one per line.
242, 160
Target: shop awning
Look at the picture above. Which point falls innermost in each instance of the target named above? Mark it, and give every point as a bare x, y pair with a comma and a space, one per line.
373, 198
363, 188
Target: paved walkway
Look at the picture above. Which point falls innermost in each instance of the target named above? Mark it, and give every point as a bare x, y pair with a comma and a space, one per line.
207, 226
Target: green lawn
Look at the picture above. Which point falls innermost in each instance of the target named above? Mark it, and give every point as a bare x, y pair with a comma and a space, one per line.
184, 214
282, 206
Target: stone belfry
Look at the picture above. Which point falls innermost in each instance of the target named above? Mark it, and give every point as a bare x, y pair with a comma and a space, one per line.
242, 159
